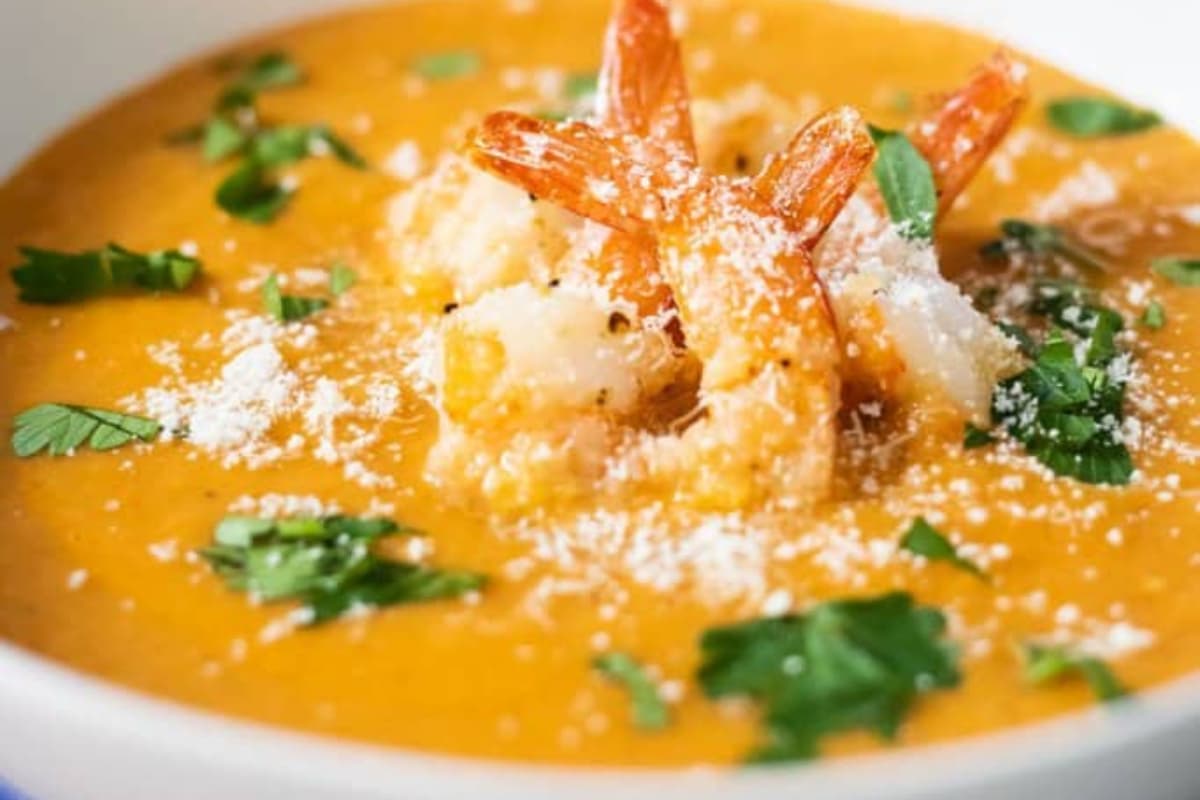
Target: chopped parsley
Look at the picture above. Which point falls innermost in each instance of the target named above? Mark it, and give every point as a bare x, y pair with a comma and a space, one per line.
1179, 271
1048, 663
1019, 236
843, 665
1154, 317
274, 70
59, 429
448, 65
581, 86
327, 564
975, 437
252, 193
1068, 406
286, 307
50, 276
649, 710
1094, 117
906, 183
922, 539
341, 279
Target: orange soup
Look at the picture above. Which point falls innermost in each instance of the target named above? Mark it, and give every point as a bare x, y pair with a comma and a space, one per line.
451, 376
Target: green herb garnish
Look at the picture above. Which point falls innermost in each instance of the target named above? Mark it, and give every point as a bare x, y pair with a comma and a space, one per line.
906, 183
649, 710
850, 664
581, 86
922, 539
448, 65
59, 429
286, 307
1179, 271
275, 70
1154, 317
341, 279
1067, 410
50, 276
252, 193
1093, 117
1019, 236
975, 437
1047, 663
327, 564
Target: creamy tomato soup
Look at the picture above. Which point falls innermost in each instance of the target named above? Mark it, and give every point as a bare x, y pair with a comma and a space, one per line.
569, 434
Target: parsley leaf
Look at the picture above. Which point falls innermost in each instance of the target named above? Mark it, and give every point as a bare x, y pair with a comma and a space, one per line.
59, 429
447, 65
1179, 271
581, 86
1093, 117
341, 279
325, 563
286, 307
975, 437
1047, 663
49, 276
649, 710
1019, 236
922, 539
906, 183
1068, 414
1155, 316
287, 144
274, 70
843, 665
252, 194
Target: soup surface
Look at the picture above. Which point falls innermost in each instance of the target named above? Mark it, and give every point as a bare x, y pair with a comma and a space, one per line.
354, 408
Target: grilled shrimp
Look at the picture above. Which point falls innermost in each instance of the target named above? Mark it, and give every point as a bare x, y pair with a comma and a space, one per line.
750, 304
908, 329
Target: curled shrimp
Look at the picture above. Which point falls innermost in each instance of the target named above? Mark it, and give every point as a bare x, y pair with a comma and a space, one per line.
959, 136
907, 328
643, 93
750, 304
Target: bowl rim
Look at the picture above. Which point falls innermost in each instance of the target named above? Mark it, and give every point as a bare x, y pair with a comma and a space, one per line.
34, 686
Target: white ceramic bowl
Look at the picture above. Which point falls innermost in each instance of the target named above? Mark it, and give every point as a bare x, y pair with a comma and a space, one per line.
66, 736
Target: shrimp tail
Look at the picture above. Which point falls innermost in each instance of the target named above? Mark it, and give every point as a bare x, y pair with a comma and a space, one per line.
643, 89
810, 182
571, 164
959, 136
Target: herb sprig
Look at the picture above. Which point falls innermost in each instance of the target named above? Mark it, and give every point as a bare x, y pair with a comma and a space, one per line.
60, 428
649, 710
843, 665
906, 182
1094, 117
327, 564
1179, 271
1039, 241
922, 539
51, 276
286, 307
1049, 663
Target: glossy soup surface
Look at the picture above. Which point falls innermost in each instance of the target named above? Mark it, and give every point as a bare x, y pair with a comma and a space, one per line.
94, 564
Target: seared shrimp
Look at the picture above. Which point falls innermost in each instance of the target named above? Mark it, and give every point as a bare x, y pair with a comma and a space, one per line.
750, 304
907, 328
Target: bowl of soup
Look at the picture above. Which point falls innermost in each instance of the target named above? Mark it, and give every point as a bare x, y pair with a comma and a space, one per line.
543, 398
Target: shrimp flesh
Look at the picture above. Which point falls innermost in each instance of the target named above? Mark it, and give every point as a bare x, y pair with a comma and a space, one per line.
750, 304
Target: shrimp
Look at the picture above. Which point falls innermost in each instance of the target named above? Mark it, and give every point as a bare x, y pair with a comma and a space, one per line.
909, 330
643, 93
750, 305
